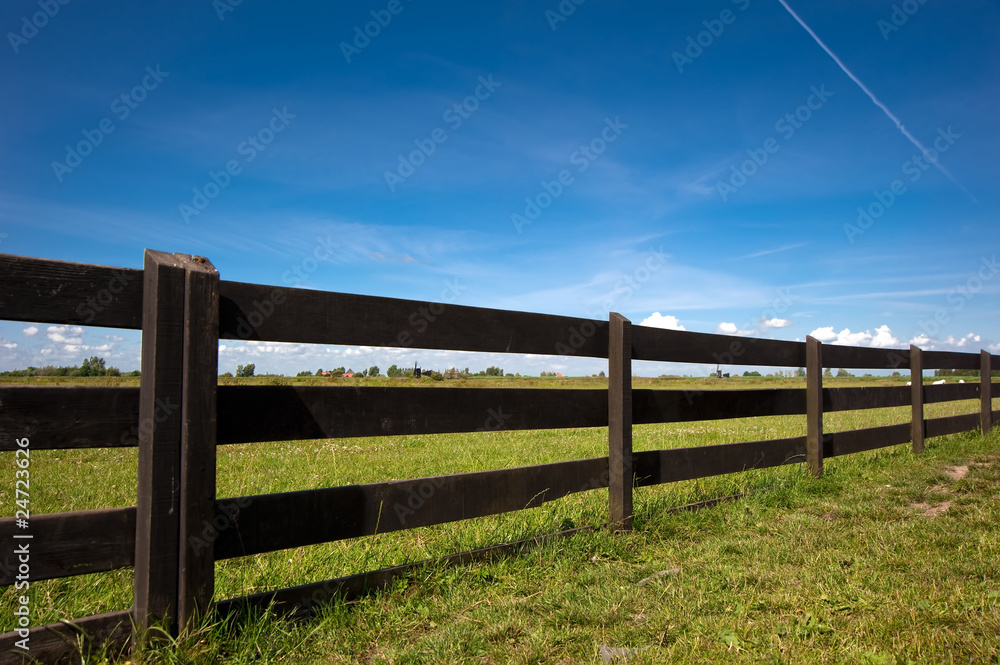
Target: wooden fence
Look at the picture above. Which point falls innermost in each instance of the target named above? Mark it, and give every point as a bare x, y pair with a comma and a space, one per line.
181, 415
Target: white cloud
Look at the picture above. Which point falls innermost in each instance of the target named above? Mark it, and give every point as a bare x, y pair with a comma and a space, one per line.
825, 335
58, 334
969, 339
882, 338
969, 343
657, 320
9, 345
726, 328
765, 322
30, 331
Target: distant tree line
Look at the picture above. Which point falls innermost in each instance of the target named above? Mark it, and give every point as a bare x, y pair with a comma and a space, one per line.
962, 372
395, 371
93, 366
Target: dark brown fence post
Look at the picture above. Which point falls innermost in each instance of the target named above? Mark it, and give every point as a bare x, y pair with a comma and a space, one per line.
985, 391
196, 566
814, 406
620, 421
157, 511
917, 399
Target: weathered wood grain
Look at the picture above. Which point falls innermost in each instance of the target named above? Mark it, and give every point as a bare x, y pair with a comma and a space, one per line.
250, 525
855, 357
196, 566
63, 417
160, 394
60, 642
654, 467
620, 422
281, 314
691, 347
917, 397
950, 360
279, 413
949, 392
64, 293
814, 406
985, 392
951, 424
870, 438
71, 543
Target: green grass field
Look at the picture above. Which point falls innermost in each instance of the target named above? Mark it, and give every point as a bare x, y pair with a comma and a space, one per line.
863, 565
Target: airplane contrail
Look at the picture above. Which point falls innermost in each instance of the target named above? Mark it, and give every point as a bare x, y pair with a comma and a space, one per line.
875, 100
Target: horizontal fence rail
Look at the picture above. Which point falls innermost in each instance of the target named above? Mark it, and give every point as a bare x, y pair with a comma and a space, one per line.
278, 521
177, 530
75, 543
278, 413
104, 417
47, 291
655, 467
60, 642
57, 418
317, 317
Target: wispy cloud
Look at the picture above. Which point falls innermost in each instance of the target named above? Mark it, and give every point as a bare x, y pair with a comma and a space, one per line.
783, 248
885, 109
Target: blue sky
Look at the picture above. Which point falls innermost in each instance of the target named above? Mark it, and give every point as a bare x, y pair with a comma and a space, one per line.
686, 164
